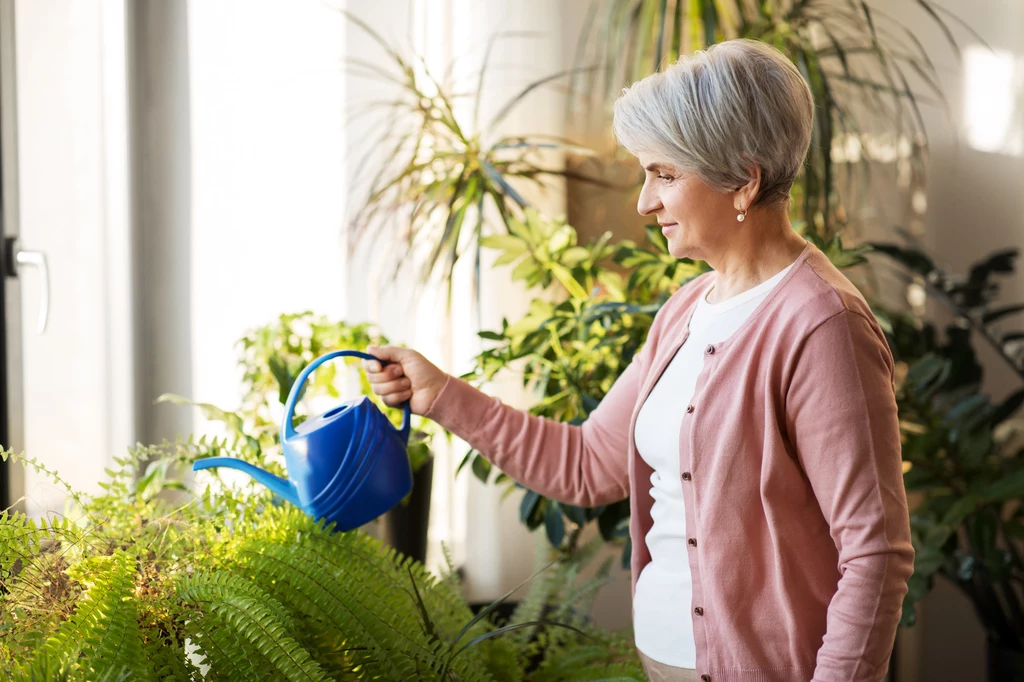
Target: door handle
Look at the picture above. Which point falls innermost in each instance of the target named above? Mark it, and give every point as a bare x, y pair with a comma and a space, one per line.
37, 260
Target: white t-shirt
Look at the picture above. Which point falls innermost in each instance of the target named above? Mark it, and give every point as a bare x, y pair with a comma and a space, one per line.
662, 624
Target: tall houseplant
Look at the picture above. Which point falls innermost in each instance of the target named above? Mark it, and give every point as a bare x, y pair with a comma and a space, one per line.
964, 453
869, 75
440, 172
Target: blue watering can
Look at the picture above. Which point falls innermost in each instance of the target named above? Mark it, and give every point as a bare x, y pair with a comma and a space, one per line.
348, 465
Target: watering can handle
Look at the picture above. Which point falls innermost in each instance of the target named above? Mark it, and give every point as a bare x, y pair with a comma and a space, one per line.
288, 431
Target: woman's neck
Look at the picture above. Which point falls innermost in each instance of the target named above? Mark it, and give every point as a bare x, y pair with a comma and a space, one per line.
761, 247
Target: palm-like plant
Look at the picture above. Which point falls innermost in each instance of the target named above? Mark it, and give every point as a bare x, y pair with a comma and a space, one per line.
869, 75
443, 169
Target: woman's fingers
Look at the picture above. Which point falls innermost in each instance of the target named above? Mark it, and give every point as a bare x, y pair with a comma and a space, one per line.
389, 373
385, 388
396, 399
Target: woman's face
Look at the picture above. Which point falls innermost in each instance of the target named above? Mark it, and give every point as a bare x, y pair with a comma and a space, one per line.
694, 217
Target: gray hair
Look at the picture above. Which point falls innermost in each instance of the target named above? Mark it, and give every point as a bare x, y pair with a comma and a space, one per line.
717, 111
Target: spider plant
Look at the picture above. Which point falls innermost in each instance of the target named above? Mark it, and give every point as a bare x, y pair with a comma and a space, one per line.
868, 72
445, 169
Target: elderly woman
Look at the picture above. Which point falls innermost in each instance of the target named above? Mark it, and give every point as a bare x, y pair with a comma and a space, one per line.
755, 433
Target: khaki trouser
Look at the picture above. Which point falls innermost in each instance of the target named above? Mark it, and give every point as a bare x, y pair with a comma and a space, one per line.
659, 672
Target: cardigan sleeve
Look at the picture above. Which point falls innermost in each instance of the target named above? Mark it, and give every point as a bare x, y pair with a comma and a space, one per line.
585, 465
842, 419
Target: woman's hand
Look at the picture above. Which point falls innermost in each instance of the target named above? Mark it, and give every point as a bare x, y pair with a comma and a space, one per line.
408, 376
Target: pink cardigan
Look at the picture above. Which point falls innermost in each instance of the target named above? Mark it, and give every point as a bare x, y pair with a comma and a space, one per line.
792, 479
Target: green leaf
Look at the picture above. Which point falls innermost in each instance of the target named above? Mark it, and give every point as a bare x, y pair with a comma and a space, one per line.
965, 410
911, 258
505, 242
1009, 487
611, 519
999, 313
960, 510
279, 370
554, 525
918, 478
574, 255
524, 270
566, 279
577, 515
506, 258
481, 469
529, 503
983, 528
465, 460
230, 419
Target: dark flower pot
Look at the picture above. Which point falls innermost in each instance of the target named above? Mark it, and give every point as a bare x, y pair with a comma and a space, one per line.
405, 526
1004, 665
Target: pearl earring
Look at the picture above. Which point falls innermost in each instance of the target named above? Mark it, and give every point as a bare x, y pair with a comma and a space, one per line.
741, 216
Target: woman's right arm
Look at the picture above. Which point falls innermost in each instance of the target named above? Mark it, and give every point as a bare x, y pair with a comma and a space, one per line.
584, 465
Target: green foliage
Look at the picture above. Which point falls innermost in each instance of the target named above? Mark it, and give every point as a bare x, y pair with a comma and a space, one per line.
437, 167
861, 64
271, 357
580, 335
229, 585
963, 455
575, 341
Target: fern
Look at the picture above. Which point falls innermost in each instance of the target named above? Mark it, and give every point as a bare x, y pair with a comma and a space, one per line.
229, 585
243, 632
103, 633
354, 584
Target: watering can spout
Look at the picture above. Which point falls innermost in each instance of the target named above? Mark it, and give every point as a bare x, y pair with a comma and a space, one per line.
276, 484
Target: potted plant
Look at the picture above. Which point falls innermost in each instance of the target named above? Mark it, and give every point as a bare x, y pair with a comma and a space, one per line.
963, 453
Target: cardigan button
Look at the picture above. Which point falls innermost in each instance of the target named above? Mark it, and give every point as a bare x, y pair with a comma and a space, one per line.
699, 611
705, 678
686, 476
710, 350
692, 542
689, 409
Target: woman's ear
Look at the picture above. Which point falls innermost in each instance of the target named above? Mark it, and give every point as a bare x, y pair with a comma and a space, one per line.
746, 194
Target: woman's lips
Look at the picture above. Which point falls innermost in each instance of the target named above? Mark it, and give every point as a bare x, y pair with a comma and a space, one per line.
665, 229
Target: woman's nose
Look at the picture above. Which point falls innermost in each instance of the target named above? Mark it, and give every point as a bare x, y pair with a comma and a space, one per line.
648, 202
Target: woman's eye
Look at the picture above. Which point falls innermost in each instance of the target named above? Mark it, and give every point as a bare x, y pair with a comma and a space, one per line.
666, 178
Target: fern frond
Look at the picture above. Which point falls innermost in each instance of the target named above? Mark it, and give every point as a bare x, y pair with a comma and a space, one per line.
360, 588
609, 656
103, 633
34, 464
243, 632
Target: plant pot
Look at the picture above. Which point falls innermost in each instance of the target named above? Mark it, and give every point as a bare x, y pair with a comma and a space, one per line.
405, 525
1004, 665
